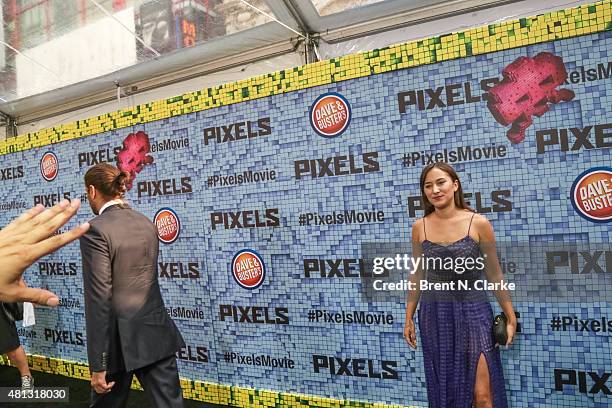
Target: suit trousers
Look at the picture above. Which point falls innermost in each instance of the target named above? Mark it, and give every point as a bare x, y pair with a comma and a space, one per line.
159, 380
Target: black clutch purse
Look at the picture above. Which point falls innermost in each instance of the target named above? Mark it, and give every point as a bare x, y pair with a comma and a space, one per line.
500, 331
13, 311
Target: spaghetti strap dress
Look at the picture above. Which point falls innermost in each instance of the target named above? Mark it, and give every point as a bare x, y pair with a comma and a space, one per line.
455, 329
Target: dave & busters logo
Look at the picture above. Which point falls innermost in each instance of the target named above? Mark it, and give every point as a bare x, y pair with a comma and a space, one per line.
168, 225
330, 114
49, 166
248, 269
592, 194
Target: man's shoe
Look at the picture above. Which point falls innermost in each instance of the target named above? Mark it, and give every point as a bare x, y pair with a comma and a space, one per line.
27, 383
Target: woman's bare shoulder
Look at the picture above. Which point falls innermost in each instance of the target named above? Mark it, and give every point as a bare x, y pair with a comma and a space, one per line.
480, 220
418, 223
417, 227
482, 227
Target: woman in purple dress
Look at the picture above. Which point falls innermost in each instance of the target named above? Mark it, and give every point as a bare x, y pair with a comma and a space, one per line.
462, 363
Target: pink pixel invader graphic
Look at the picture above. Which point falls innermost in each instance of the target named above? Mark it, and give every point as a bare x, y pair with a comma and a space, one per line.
527, 89
134, 155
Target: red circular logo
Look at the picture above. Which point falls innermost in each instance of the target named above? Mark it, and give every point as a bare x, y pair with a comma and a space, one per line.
248, 269
330, 114
168, 225
49, 166
592, 194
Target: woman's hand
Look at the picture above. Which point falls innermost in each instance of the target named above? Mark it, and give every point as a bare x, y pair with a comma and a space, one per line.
511, 330
410, 333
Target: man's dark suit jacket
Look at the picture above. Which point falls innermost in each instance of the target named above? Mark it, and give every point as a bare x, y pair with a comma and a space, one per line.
127, 324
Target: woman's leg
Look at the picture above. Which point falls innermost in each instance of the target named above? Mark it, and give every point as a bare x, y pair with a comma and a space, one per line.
19, 359
482, 388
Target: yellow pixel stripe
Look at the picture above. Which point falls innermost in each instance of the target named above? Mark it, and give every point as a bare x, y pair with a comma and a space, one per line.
210, 392
562, 24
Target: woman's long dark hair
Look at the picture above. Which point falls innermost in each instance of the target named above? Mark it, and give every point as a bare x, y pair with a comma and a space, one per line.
107, 179
448, 169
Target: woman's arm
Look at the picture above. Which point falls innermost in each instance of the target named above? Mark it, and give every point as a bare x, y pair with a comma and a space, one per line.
412, 297
494, 272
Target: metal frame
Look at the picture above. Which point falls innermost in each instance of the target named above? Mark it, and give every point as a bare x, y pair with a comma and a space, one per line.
421, 12
9, 123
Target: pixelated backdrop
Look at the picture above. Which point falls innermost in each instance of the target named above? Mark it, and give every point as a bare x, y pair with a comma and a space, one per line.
265, 192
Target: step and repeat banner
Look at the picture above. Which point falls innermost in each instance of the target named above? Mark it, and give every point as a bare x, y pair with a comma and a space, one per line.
264, 208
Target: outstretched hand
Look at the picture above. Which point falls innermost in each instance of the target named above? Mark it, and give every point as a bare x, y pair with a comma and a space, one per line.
28, 238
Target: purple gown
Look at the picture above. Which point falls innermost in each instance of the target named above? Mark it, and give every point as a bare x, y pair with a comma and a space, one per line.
455, 329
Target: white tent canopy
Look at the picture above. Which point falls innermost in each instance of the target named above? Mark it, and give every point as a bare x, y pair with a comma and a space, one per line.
64, 60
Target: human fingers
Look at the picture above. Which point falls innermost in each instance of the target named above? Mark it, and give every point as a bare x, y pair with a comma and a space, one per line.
407, 338
16, 293
406, 332
413, 339
53, 243
106, 387
412, 343
510, 339
43, 217
410, 337
18, 222
52, 222
100, 386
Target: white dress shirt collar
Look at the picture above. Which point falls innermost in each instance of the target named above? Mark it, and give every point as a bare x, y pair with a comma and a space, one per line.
109, 203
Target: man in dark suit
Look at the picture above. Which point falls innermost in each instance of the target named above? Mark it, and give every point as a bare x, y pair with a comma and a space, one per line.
128, 329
